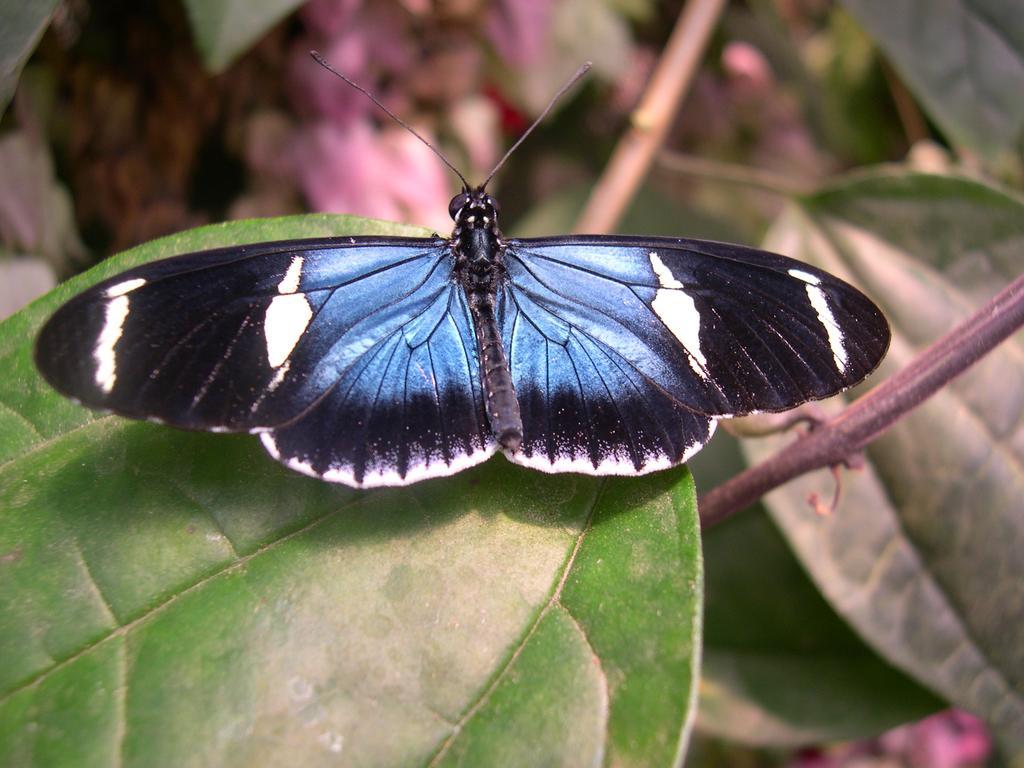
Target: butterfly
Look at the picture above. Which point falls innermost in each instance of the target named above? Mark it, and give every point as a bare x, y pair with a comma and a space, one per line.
379, 361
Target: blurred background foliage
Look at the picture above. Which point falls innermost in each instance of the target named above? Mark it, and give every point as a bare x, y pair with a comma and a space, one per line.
125, 121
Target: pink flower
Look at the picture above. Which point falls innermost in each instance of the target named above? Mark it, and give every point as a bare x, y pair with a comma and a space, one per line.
387, 174
327, 19
950, 739
366, 44
518, 29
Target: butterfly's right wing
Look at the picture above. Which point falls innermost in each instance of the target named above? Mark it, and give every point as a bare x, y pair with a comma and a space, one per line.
648, 340
319, 344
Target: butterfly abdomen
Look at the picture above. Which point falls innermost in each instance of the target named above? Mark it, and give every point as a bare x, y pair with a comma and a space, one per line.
479, 271
501, 402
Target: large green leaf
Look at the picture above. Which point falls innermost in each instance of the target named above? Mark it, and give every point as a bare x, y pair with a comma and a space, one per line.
24, 22
923, 555
224, 29
171, 598
779, 666
963, 58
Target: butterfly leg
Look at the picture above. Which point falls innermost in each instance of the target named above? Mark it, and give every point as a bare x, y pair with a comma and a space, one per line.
502, 404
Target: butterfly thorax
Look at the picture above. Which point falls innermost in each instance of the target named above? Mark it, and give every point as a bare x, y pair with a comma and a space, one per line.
477, 247
476, 242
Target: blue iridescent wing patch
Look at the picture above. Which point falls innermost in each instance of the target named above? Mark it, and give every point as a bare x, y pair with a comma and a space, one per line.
409, 408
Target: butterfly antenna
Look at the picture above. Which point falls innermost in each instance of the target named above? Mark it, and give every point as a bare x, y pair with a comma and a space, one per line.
323, 63
561, 92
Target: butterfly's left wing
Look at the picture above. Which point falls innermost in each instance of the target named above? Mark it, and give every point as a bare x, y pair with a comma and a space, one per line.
353, 357
624, 350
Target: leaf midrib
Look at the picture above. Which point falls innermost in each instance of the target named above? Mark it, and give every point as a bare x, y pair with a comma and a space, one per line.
553, 600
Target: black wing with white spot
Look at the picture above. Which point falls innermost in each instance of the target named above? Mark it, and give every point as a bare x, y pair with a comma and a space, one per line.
623, 350
267, 338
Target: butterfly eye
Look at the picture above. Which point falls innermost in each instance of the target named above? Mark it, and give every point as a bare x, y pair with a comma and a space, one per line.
493, 204
457, 204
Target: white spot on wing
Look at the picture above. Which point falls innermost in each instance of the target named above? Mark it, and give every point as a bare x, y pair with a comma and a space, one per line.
278, 378
290, 282
113, 324
678, 312
807, 277
285, 322
835, 335
120, 289
665, 276
819, 301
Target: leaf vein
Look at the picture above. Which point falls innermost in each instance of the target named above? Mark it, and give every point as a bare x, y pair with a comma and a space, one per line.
47, 442
123, 629
121, 705
91, 581
553, 600
32, 427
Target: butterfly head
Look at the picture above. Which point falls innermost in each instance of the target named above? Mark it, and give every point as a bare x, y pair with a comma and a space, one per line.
474, 209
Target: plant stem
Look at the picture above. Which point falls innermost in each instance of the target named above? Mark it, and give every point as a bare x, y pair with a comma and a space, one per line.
650, 121
876, 411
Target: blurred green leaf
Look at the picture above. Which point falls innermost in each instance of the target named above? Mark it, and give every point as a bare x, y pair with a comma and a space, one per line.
24, 22
650, 213
964, 59
173, 598
923, 555
779, 666
856, 104
225, 29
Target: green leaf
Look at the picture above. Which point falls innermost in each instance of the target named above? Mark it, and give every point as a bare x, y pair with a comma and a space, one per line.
224, 29
650, 213
923, 555
24, 22
964, 59
779, 667
171, 598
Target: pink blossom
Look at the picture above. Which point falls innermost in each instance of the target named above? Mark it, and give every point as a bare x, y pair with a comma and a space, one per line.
366, 45
518, 29
950, 739
327, 19
745, 62
387, 174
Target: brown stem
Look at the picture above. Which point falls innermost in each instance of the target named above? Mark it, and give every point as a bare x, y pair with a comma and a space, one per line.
651, 119
914, 125
876, 411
